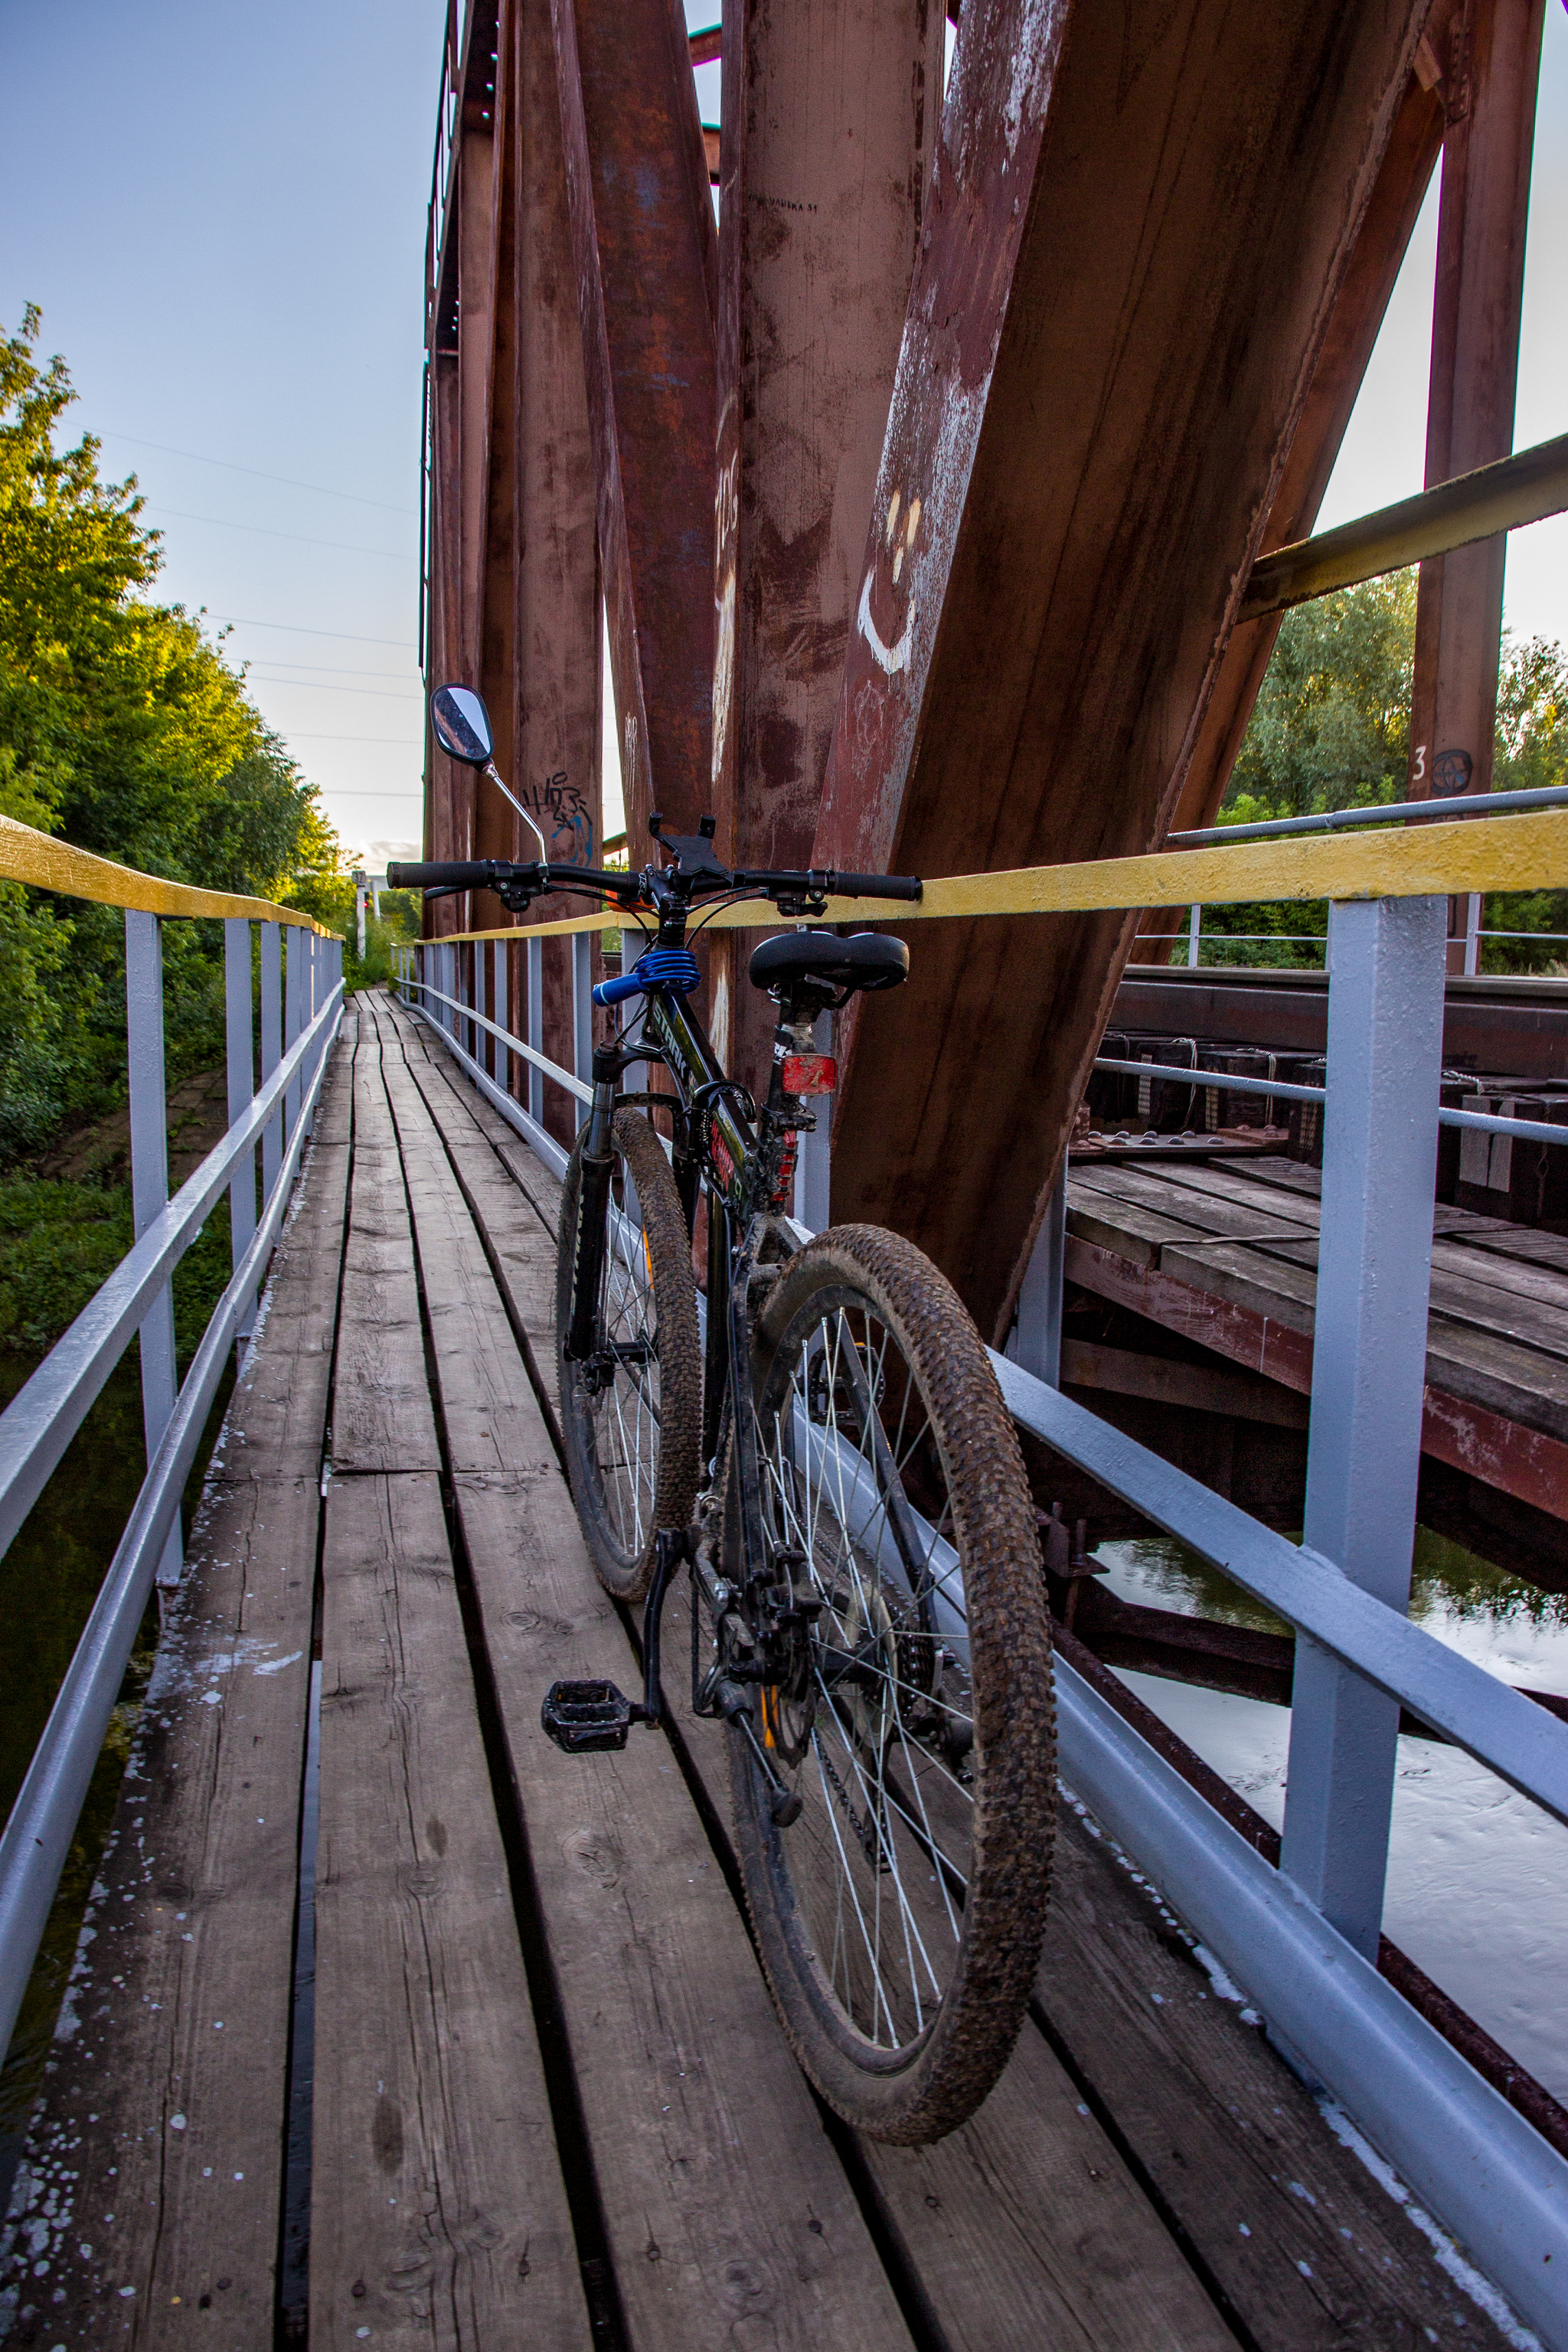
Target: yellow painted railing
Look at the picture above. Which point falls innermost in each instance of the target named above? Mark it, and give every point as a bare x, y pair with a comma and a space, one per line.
27, 856
1420, 861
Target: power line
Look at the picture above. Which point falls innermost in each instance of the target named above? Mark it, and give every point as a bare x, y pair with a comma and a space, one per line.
325, 669
294, 628
260, 531
316, 686
228, 466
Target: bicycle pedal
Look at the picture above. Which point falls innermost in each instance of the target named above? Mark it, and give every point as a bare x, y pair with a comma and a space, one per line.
587, 1718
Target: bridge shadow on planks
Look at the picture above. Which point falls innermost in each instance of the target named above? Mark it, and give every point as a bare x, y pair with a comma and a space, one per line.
535, 2093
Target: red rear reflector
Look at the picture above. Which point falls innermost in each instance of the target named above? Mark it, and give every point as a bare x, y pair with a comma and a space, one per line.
810, 1074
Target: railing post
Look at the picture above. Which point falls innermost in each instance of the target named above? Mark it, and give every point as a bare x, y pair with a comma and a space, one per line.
501, 999
1195, 934
481, 1038
313, 995
241, 1044
271, 1049
1035, 1341
293, 1007
583, 1005
536, 1027
1369, 1356
150, 1181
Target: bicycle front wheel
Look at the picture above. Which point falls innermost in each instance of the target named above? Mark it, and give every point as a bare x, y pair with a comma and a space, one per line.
631, 1416
899, 1915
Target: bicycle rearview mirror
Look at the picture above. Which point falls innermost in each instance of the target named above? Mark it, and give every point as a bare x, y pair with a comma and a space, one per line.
462, 725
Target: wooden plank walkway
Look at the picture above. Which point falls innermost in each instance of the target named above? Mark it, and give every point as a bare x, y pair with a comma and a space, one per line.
542, 2092
1227, 1255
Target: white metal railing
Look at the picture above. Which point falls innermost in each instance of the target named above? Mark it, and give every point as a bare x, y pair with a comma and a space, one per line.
1301, 1939
301, 1003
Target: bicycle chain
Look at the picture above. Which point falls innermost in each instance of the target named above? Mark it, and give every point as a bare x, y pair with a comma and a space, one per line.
874, 1853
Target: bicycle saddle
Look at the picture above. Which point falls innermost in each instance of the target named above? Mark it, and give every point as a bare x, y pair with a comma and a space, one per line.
870, 961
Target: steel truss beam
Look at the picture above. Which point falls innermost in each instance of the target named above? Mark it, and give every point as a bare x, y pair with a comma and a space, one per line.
1139, 222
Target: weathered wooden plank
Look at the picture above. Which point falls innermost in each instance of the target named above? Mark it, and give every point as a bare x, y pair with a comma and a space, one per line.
277, 1415
707, 2229
729, 2216
152, 2185
1233, 1208
1136, 1233
1306, 2245
539, 1185
1026, 2225
520, 1253
438, 2214
334, 1103
489, 1409
1486, 1346
381, 1402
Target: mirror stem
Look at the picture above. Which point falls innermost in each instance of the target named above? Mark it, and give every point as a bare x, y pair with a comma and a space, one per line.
491, 771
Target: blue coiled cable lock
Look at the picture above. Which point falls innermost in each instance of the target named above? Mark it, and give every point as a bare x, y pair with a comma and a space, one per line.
673, 968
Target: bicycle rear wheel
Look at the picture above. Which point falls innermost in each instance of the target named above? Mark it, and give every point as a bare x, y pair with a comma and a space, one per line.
899, 1916
631, 1417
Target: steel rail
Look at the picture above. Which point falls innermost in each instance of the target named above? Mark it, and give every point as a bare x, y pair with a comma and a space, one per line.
46, 1414
1534, 1131
1505, 496
1444, 808
537, 1136
504, 1036
36, 1839
1469, 2157
1527, 1747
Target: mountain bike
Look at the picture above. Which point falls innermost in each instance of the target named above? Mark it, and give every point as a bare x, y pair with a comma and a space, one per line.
820, 1442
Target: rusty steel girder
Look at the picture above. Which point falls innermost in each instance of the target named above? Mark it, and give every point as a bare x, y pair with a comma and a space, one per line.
923, 496
1140, 220
647, 264
829, 122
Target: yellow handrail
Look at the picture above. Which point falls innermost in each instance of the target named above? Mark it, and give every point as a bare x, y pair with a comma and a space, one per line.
28, 855
1420, 861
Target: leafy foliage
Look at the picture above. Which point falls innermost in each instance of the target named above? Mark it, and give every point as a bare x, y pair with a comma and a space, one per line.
1332, 729
122, 728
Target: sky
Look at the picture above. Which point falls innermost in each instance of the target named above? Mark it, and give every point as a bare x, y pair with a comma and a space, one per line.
221, 213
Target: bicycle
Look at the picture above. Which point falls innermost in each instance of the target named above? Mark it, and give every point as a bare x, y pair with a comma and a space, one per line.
832, 1461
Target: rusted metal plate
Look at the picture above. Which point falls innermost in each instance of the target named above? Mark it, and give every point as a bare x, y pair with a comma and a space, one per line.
1139, 219
1414, 146
1491, 61
463, 332
645, 261
828, 120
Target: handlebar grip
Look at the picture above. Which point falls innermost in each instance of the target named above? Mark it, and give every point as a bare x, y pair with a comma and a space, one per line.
469, 874
616, 991
877, 886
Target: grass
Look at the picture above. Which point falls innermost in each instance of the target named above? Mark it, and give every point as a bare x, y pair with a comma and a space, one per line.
59, 1241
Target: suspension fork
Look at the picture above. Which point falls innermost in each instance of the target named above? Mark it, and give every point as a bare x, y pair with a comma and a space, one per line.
595, 1169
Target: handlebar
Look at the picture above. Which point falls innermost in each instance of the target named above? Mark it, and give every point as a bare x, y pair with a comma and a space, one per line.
492, 873
466, 876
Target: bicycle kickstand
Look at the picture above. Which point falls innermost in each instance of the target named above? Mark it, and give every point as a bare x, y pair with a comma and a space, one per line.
585, 1719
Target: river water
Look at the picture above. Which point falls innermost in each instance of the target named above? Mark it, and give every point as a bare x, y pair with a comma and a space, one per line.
1477, 1876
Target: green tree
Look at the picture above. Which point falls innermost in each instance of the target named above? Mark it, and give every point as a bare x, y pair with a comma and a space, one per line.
122, 728
1332, 729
